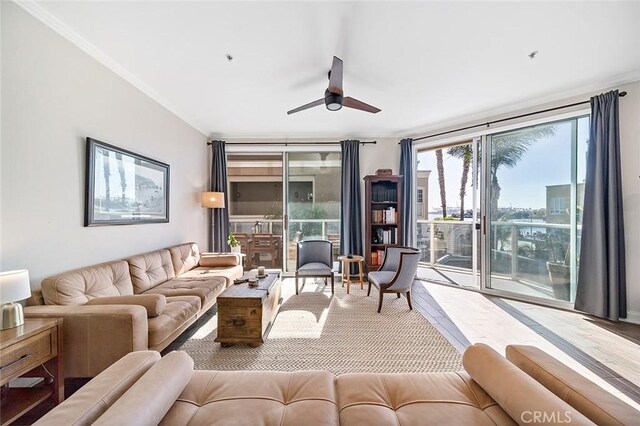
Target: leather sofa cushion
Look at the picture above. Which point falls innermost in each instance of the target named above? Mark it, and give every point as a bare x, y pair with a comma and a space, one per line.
585, 396
93, 399
408, 399
215, 260
150, 269
153, 303
184, 257
207, 289
256, 398
149, 399
517, 393
229, 273
79, 286
178, 311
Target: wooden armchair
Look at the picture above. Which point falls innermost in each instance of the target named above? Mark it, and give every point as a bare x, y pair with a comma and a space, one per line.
265, 243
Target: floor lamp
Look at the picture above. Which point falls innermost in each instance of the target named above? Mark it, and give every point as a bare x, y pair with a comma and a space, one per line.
213, 200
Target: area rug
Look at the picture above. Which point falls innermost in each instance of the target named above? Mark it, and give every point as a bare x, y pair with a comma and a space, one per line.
342, 333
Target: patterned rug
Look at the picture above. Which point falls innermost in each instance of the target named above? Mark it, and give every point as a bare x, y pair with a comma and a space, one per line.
341, 334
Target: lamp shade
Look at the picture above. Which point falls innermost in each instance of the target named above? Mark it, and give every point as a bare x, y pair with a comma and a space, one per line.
213, 200
14, 286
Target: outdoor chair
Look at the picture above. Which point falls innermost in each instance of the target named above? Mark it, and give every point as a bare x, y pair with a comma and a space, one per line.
265, 243
396, 274
314, 259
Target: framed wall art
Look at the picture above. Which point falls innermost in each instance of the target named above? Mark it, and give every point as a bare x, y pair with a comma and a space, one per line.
124, 188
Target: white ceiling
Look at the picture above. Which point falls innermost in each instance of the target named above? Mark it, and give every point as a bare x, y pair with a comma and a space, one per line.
422, 63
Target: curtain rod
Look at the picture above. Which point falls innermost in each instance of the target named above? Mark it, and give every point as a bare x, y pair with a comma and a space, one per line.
489, 123
293, 143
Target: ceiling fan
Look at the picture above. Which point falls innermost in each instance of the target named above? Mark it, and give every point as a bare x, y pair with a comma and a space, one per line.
333, 98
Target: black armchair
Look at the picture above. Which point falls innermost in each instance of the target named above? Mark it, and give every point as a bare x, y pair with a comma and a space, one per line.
314, 259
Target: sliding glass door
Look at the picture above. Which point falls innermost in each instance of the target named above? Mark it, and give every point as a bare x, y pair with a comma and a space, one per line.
313, 200
279, 198
255, 206
534, 187
508, 222
447, 211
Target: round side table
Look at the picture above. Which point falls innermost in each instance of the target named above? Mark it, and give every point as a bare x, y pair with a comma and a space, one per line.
346, 269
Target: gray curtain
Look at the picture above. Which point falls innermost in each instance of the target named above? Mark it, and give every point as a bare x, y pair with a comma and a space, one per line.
351, 201
406, 170
602, 278
219, 217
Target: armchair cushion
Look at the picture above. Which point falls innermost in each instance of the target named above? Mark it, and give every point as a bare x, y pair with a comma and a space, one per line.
379, 278
216, 260
314, 268
153, 303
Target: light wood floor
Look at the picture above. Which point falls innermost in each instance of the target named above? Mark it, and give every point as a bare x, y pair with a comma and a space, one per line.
605, 352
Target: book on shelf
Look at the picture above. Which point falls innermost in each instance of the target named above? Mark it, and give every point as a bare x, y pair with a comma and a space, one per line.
382, 194
389, 216
377, 257
385, 236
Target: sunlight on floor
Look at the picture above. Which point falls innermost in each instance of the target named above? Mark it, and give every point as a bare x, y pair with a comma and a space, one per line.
482, 321
309, 325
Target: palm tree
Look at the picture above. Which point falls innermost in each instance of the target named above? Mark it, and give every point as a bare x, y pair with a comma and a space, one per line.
107, 181
465, 153
508, 149
443, 192
123, 180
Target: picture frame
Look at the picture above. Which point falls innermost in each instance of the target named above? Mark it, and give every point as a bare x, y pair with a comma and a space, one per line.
124, 188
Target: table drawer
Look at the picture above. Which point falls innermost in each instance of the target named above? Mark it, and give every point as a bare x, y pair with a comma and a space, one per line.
27, 354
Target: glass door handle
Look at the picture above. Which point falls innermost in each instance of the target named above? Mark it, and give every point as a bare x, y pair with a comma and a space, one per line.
286, 222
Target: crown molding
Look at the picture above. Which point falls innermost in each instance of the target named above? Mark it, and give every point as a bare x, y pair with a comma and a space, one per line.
537, 102
44, 16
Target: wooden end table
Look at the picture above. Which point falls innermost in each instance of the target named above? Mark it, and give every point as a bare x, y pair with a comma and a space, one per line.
33, 349
245, 313
346, 269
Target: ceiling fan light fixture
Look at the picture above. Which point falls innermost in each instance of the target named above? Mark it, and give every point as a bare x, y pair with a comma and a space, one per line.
333, 101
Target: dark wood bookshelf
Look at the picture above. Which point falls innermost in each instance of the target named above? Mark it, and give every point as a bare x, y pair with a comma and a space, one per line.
382, 193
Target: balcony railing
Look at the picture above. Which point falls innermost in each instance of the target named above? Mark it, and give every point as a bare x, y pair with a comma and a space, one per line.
520, 251
310, 228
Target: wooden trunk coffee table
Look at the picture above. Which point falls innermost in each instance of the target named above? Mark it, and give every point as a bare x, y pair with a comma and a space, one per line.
245, 313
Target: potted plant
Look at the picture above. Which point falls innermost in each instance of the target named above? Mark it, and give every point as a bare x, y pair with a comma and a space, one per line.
559, 270
233, 243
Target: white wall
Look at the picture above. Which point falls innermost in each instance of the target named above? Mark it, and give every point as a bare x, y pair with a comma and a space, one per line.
54, 96
630, 151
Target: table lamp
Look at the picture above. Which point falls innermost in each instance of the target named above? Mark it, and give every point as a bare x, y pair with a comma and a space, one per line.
14, 287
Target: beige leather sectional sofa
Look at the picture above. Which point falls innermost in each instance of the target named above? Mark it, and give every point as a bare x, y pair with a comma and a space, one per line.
142, 302
529, 387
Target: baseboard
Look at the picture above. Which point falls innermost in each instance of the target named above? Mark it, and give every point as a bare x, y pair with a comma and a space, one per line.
632, 317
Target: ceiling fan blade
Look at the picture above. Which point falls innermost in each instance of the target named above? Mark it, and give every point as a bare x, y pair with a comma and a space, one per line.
335, 79
307, 106
350, 102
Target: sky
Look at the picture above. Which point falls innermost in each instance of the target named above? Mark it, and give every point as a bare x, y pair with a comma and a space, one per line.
546, 162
